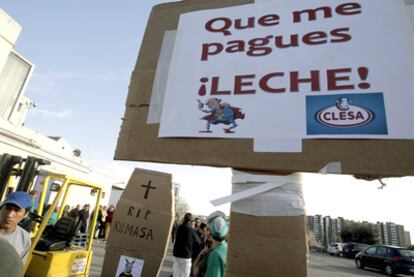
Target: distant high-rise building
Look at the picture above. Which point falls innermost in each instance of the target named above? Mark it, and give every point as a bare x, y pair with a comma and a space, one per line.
326, 230
400, 235
317, 227
392, 233
379, 227
309, 223
407, 238
336, 226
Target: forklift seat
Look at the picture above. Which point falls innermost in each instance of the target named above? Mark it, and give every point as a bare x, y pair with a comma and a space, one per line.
60, 235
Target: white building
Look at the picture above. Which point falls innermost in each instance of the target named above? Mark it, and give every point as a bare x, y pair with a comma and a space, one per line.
15, 138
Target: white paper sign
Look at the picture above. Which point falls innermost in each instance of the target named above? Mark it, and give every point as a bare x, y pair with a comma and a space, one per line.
294, 69
129, 266
79, 265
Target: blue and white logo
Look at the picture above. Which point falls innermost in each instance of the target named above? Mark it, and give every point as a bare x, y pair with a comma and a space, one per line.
346, 114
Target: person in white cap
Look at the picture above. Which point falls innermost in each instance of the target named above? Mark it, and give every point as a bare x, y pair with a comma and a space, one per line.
13, 210
217, 260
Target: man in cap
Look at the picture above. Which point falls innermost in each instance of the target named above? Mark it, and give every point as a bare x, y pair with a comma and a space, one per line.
12, 211
219, 227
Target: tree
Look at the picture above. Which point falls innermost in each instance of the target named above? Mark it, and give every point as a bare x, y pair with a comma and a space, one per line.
181, 207
359, 232
336, 239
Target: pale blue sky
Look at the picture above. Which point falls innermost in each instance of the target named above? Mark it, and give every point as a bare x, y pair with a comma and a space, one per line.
84, 53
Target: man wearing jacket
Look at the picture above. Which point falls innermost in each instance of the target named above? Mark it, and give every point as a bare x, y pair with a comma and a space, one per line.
186, 240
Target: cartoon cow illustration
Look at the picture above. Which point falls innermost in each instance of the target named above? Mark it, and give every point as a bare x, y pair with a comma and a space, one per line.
220, 113
343, 103
128, 269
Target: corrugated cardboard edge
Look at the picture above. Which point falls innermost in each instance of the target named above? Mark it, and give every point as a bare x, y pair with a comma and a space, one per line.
151, 172
281, 238
139, 141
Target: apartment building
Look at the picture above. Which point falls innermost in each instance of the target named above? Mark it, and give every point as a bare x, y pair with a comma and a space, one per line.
326, 230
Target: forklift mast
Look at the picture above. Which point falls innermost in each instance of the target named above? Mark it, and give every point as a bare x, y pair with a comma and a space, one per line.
29, 172
25, 168
7, 164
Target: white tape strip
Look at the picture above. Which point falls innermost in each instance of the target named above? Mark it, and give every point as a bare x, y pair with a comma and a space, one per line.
269, 195
245, 193
241, 177
334, 167
265, 195
160, 78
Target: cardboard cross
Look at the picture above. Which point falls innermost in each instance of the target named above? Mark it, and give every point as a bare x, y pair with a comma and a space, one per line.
148, 187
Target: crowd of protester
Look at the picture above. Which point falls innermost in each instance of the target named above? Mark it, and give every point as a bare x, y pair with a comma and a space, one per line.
200, 248
83, 215
103, 222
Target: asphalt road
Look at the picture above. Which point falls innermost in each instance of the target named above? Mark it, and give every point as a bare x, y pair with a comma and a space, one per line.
323, 265
320, 265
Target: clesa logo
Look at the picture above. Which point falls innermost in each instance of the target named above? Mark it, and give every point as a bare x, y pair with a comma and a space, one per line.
344, 115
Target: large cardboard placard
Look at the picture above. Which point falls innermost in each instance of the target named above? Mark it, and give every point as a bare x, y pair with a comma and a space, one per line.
139, 140
142, 224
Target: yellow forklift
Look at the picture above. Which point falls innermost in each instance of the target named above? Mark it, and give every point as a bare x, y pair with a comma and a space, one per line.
54, 250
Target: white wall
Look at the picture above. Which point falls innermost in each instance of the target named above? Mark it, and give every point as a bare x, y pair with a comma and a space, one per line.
115, 196
9, 32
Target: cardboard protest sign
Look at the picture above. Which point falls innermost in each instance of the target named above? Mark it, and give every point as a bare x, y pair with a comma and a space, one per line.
292, 69
373, 157
142, 223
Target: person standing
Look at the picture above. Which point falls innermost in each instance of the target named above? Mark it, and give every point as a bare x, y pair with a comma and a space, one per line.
186, 240
33, 195
108, 220
200, 231
65, 212
217, 259
27, 223
83, 217
99, 223
200, 263
12, 211
75, 212
174, 229
53, 217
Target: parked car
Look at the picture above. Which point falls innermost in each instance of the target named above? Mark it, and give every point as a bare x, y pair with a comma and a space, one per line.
350, 249
389, 259
335, 249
